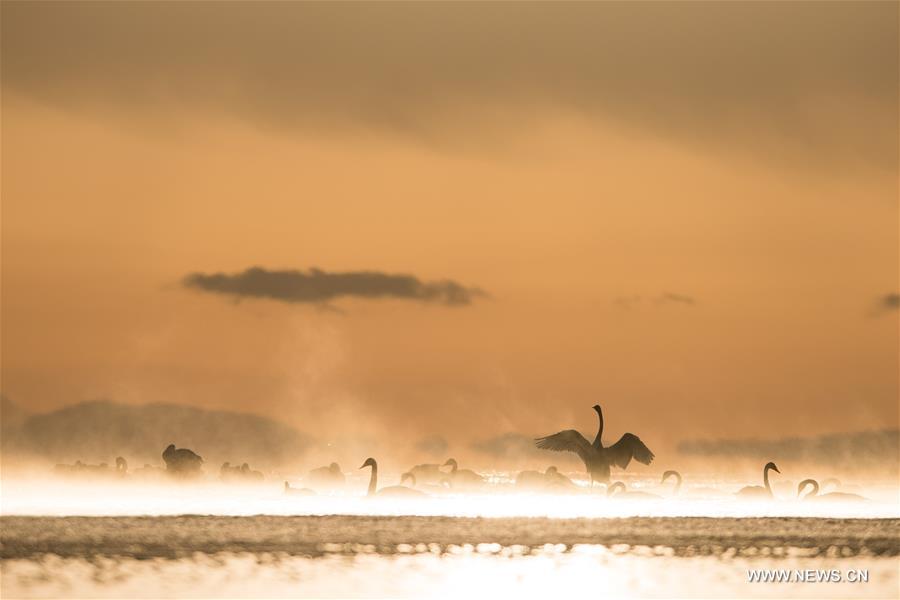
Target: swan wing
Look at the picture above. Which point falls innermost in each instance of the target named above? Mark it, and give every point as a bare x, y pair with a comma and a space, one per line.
567, 441
628, 447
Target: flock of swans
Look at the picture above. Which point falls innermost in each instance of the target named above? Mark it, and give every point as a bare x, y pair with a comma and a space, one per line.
597, 460
424, 480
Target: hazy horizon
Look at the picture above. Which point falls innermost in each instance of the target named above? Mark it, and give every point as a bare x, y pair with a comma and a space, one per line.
388, 222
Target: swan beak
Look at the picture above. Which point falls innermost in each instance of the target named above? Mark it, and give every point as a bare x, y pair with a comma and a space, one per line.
776, 469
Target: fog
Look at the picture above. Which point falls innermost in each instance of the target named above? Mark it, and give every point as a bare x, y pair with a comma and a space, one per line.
248, 249
100, 431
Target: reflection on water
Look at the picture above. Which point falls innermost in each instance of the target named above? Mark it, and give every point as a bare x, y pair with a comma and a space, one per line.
488, 570
212, 540
378, 556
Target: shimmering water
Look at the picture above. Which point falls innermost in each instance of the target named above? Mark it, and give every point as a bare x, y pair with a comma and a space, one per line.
416, 556
128, 540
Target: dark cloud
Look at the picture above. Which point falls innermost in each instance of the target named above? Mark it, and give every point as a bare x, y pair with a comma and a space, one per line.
629, 302
815, 79
890, 302
885, 304
316, 286
670, 298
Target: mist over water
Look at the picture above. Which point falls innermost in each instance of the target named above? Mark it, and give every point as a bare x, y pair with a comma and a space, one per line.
74, 525
102, 537
498, 498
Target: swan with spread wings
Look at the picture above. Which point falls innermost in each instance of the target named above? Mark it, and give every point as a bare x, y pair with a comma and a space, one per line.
597, 458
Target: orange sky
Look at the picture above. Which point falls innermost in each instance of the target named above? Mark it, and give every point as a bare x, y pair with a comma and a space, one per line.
745, 158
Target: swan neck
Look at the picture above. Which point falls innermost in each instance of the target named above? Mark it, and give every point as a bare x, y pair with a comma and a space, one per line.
373, 480
810, 482
766, 479
597, 442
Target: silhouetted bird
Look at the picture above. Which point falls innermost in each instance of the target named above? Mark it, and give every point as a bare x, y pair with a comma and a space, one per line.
551, 480
250, 475
121, 466
556, 480
326, 477
531, 480
229, 473
428, 473
597, 458
462, 478
814, 496
393, 490
181, 461
760, 492
677, 477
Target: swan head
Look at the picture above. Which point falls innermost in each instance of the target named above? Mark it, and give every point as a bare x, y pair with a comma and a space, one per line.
410, 476
169, 448
596, 407
771, 465
668, 474
370, 462
451, 462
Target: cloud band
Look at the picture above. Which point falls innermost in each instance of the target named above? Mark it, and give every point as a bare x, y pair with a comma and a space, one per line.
317, 286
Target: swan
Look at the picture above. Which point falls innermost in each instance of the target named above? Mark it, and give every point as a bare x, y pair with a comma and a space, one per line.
428, 473
181, 460
678, 481
531, 480
462, 478
397, 491
814, 495
292, 491
618, 491
760, 492
327, 477
535, 480
252, 475
556, 479
227, 472
597, 458
121, 466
